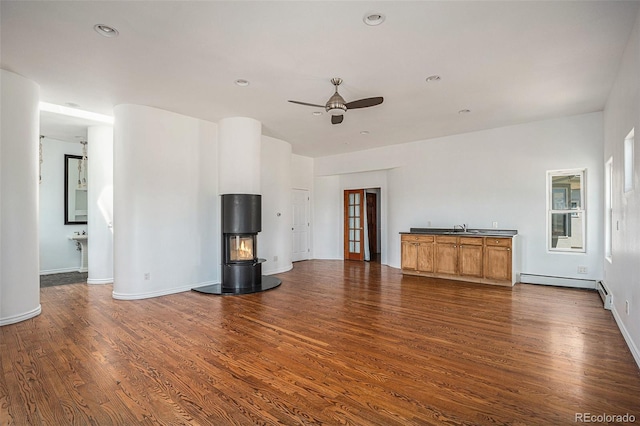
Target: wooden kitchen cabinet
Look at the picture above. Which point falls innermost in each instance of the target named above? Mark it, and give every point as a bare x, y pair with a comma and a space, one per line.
497, 259
470, 254
446, 255
481, 259
409, 254
417, 253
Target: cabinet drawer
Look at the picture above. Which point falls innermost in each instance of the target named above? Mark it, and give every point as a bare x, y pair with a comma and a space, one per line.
443, 239
500, 242
417, 238
471, 241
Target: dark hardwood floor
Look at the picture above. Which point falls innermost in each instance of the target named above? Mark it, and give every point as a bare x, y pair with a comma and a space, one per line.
337, 343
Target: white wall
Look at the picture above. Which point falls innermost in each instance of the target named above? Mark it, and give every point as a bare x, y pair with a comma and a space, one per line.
239, 146
275, 239
166, 204
19, 135
475, 178
100, 193
301, 172
326, 231
330, 229
622, 275
57, 252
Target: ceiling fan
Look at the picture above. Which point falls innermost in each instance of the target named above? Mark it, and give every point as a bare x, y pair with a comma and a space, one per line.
336, 105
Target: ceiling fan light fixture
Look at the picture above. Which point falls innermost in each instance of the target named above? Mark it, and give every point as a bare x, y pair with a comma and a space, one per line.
336, 106
317, 113
373, 19
106, 30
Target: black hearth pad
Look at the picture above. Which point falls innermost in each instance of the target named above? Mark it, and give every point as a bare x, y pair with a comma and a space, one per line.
267, 283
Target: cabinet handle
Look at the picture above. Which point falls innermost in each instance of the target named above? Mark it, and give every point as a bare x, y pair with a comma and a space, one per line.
508, 249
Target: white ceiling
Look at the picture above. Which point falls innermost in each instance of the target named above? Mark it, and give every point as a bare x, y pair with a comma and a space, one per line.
508, 62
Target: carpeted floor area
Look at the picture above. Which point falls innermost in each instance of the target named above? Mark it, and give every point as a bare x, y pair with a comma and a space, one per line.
62, 279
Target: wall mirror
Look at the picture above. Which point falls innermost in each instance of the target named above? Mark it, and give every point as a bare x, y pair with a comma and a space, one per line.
75, 190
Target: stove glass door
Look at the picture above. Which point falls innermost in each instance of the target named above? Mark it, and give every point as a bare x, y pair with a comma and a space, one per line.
241, 247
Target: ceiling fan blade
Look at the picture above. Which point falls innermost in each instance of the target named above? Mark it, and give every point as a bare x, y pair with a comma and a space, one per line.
337, 119
307, 104
363, 103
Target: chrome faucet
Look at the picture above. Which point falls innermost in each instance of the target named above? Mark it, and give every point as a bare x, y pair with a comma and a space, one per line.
463, 227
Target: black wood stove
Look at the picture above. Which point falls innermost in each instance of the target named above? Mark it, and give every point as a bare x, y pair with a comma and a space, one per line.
241, 267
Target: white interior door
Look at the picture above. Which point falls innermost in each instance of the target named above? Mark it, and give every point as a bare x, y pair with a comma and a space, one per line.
301, 231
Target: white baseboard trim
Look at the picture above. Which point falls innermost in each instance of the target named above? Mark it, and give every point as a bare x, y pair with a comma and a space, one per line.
278, 271
100, 281
21, 317
58, 271
158, 293
627, 337
557, 281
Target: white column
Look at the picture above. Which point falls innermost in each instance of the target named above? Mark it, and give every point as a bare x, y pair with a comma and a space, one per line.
166, 220
100, 197
19, 250
239, 140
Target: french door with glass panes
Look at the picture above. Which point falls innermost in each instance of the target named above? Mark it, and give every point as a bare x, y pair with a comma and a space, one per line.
354, 212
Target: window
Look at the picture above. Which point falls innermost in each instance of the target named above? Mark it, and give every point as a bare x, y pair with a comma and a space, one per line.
628, 161
608, 208
566, 210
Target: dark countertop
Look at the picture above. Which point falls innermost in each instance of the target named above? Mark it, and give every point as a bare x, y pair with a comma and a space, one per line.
468, 233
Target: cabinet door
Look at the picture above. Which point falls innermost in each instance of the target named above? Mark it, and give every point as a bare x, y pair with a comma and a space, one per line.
425, 257
471, 260
446, 258
497, 263
409, 255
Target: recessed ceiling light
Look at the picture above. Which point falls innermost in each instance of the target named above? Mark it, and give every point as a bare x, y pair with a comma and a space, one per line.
106, 30
433, 78
364, 132
242, 82
373, 19
317, 113
464, 111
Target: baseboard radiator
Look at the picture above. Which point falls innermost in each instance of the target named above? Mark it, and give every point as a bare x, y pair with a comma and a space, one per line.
557, 281
605, 295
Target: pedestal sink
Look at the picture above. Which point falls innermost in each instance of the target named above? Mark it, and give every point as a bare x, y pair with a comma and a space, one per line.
82, 241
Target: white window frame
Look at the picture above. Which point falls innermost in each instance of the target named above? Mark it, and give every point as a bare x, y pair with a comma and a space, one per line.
628, 161
581, 211
608, 210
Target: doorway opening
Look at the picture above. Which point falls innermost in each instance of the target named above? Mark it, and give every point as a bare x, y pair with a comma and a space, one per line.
362, 224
